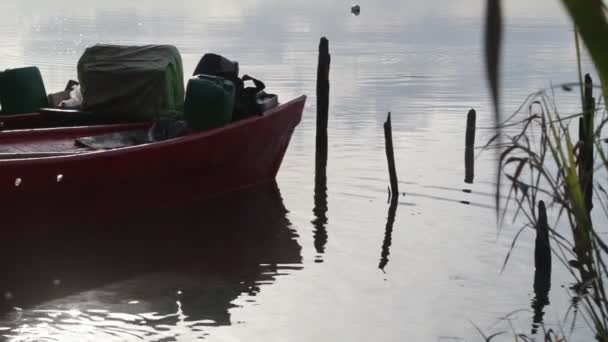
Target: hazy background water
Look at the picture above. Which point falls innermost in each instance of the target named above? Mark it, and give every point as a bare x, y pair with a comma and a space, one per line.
243, 268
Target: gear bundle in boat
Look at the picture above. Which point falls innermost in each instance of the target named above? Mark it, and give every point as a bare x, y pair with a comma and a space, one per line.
137, 82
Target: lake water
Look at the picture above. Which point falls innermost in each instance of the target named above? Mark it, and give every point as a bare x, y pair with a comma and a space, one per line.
278, 263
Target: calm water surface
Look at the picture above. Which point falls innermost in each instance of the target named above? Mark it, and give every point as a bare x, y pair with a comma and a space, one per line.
278, 263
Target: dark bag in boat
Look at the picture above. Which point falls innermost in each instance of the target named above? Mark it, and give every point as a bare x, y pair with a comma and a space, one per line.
216, 65
245, 101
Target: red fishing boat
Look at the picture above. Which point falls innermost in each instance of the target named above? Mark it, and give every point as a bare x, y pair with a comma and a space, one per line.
51, 172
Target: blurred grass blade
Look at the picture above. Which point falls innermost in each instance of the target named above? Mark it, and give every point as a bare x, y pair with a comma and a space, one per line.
493, 39
590, 21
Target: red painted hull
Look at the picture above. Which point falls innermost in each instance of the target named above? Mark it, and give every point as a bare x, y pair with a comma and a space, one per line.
21, 121
160, 174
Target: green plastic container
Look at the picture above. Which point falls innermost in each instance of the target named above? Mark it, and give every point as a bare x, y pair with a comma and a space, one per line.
209, 102
22, 91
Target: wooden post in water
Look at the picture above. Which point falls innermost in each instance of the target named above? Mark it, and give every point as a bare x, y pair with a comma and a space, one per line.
542, 247
586, 127
469, 160
582, 236
390, 156
320, 209
470, 136
322, 109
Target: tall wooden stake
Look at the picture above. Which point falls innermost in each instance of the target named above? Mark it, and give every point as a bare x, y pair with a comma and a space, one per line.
320, 209
542, 246
586, 127
322, 109
390, 156
469, 160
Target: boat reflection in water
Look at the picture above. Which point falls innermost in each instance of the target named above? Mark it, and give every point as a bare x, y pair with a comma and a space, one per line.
154, 275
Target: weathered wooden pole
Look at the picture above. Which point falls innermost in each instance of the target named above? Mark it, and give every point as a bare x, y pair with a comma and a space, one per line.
470, 135
586, 138
582, 234
322, 108
390, 156
469, 160
542, 247
320, 209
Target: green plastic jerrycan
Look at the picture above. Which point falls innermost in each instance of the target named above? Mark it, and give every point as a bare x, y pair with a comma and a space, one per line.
209, 102
21, 91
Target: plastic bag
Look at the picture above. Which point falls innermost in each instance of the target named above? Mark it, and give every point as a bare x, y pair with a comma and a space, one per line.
75, 100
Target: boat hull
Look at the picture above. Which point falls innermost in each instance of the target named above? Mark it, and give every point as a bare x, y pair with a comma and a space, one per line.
161, 174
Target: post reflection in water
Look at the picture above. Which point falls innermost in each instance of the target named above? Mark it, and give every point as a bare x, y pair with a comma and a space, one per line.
542, 267
388, 233
469, 165
469, 160
320, 212
149, 276
542, 285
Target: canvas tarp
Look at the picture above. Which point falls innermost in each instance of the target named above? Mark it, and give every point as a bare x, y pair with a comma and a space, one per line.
132, 82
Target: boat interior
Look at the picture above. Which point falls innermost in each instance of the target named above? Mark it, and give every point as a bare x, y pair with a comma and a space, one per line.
55, 145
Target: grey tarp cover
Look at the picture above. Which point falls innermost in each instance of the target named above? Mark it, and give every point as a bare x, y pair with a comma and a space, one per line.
132, 82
